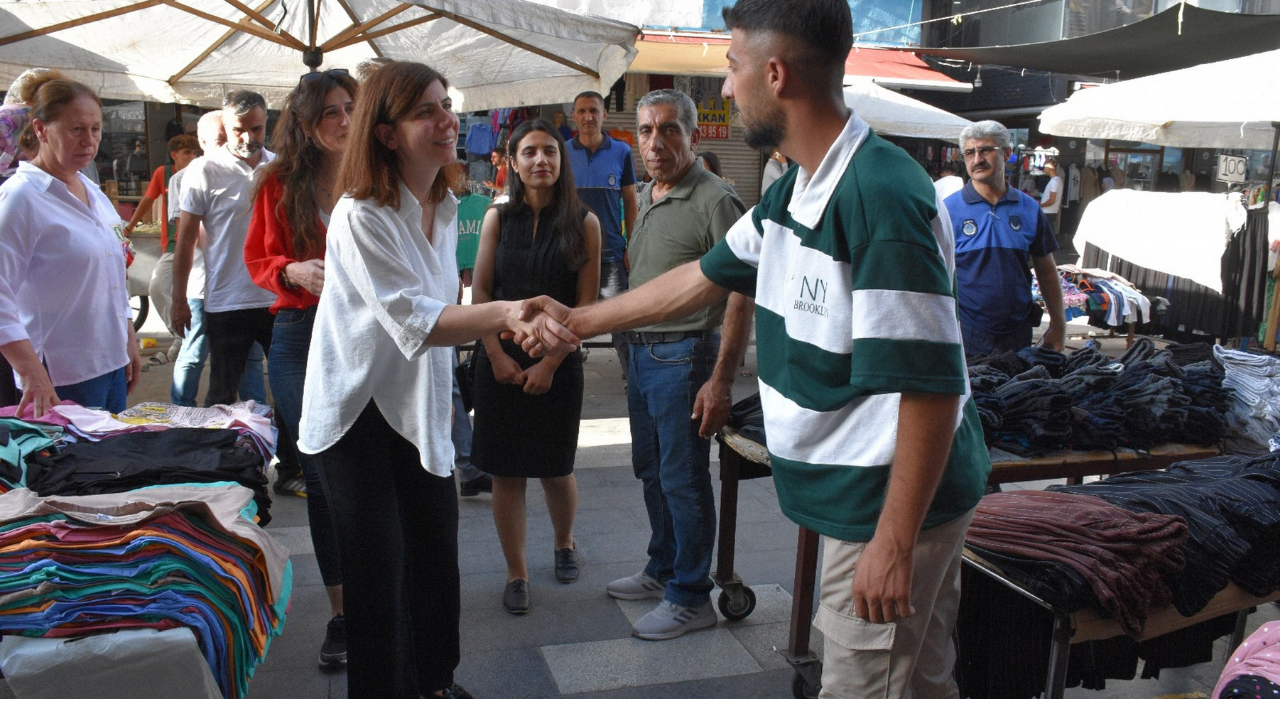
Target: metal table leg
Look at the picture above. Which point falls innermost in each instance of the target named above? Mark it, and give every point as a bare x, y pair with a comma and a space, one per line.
737, 601
808, 679
1059, 652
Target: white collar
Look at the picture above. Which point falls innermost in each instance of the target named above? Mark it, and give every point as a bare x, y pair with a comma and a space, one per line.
225, 158
812, 194
411, 210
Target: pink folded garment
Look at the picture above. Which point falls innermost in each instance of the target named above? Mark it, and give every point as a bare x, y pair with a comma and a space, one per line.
1259, 655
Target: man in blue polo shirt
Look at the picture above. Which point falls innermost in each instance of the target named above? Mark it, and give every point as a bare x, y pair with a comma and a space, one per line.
605, 176
1000, 231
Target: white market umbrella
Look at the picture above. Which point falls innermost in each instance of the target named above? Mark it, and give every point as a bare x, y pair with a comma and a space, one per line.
495, 53
1227, 104
892, 113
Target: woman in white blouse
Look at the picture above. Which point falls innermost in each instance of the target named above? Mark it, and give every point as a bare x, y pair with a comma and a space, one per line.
65, 322
378, 393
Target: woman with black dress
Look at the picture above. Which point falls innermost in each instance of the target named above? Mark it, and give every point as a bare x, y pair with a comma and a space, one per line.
543, 241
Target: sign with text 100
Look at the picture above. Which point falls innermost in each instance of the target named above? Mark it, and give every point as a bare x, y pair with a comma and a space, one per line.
713, 120
1231, 168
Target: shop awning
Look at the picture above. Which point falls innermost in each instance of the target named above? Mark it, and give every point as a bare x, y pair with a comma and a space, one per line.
1228, 104
892, 113
495, 53
703, 53
1182, 36
899, 70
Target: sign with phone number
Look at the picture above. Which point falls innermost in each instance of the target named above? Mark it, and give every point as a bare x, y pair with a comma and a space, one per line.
713, 132
713, 120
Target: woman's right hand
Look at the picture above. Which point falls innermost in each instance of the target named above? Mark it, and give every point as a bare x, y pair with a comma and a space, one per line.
37, 391
309, 275
506, 370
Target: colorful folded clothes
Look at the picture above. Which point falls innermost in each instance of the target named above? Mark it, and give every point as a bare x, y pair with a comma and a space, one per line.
157, 557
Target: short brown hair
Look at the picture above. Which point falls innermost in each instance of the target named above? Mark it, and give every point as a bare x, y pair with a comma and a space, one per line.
178, 143
48, 98
370, 170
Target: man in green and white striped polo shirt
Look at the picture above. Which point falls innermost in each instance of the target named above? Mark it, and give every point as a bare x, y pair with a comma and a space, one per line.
873, 438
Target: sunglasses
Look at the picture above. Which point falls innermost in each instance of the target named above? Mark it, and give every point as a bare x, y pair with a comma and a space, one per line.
334, 73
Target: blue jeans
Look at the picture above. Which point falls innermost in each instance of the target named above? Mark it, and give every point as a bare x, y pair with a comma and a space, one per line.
287, 369
106, 391
613, 281
191, 359
978, 341
674, 463
461, 433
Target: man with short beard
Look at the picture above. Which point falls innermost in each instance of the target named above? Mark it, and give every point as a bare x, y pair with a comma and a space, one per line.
873, 439
218, 193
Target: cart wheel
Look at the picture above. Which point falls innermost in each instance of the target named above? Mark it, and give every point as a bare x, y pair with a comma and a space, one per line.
140, 304
737, 610
802, 690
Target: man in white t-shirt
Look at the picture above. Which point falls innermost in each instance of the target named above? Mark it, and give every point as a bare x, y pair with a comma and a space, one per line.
218, 192
1051, 198
189, 361
949, 182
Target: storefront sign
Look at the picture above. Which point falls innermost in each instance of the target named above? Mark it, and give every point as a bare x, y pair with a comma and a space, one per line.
1231, 168
713, 120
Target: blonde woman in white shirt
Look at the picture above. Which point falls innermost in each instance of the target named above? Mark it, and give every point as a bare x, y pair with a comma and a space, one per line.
65, 322
378, 393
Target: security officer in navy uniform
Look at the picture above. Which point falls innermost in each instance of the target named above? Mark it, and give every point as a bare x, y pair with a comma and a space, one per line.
1001, 234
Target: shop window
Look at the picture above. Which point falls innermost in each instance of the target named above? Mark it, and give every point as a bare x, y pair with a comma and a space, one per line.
122, 154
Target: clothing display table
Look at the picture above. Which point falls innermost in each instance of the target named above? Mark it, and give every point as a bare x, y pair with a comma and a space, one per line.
1087, 626
1074, 466
141, 663
743, 459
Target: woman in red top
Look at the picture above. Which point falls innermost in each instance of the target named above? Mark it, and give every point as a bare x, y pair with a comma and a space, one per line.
285, 254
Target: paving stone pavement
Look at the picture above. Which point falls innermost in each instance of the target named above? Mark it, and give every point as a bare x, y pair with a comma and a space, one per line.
575, 642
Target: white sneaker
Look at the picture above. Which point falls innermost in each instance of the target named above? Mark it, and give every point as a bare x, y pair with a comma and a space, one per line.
636, 587
670, 620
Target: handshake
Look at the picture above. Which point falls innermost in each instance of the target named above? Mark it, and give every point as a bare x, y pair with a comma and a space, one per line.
543, 328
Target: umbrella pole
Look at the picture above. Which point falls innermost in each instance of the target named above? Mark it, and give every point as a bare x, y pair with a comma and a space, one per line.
1274, 315
313, 56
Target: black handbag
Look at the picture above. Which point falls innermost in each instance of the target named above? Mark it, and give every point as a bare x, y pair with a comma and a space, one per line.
466, 375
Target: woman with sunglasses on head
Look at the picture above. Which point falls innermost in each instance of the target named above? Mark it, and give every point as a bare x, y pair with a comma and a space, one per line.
542, 241
378, 396
284, 251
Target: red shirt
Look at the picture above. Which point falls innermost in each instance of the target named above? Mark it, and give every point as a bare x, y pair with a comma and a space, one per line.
269, 248
158, 189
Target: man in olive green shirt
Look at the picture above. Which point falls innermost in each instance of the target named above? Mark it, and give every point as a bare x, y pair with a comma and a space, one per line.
680, 373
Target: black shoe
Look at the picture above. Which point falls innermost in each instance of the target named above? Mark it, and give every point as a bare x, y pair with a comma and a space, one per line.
475, 486
453, 692
334, 651
516, 597
567, 564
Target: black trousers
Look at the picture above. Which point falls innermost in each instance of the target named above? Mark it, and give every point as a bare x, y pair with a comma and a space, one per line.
231, 335
397, 528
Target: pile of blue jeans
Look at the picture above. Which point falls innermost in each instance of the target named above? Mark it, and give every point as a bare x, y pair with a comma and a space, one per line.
1037, 401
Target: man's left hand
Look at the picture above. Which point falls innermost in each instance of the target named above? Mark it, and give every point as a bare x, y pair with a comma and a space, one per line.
712, 405
1054, 337
882, 582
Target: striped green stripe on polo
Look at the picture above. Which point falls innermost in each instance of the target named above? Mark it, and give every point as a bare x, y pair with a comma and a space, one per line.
852, 272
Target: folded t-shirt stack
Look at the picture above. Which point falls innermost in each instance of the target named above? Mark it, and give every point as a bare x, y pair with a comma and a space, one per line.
160, 557
129, 461
1081, 551
1254, 380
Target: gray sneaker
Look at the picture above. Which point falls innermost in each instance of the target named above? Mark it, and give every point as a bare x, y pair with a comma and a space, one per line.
670, 620
636, 587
